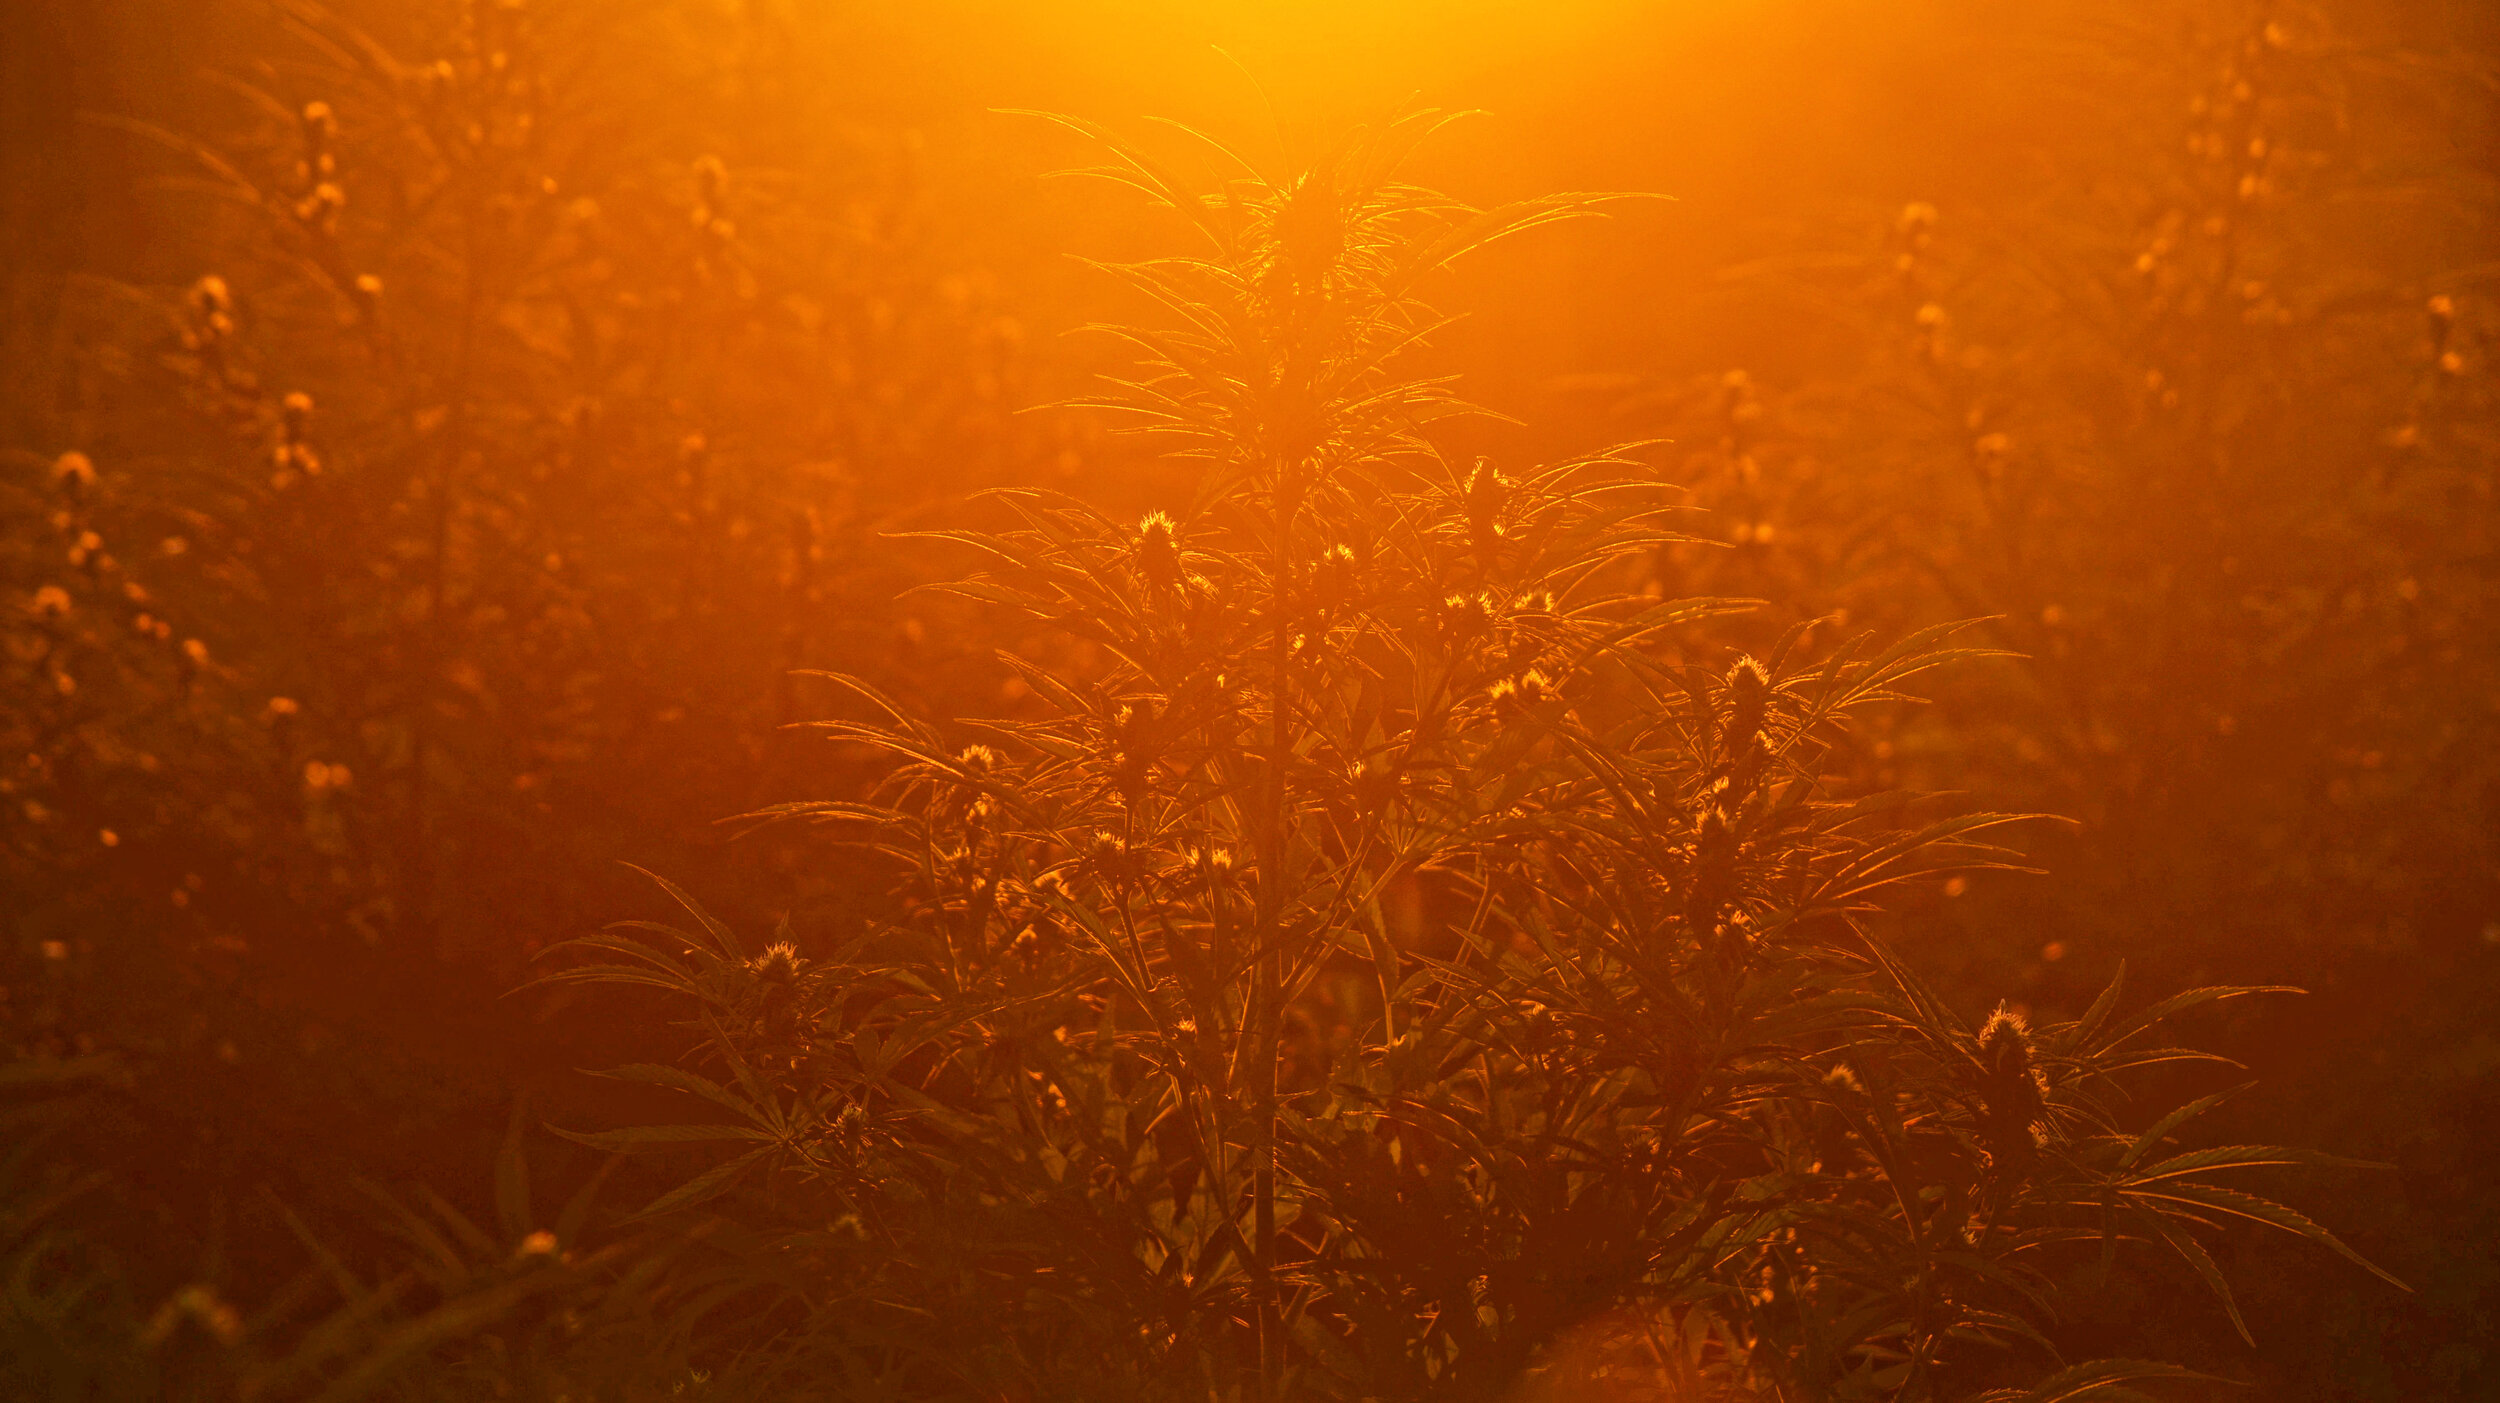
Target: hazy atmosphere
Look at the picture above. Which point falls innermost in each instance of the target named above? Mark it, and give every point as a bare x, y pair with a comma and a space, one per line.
1249, 700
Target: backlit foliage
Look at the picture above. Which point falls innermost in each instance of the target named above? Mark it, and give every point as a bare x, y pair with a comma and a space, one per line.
1317, 896
1398, 960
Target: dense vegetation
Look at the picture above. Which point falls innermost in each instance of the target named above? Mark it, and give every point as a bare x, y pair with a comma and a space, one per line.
1387, 936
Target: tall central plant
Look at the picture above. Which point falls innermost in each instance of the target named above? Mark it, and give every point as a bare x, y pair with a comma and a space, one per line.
1394, 972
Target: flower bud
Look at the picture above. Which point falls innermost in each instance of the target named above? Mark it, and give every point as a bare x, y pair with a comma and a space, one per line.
2012, 1089
1748, 698
1333, 579
74, 472
1522, 695
1464, 616
1159, 550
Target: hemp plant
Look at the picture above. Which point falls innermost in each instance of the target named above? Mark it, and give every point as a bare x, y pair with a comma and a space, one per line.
1396, 970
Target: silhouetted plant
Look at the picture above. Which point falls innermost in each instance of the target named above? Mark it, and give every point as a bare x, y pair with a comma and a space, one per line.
2204, 461
448, 487
1398, 970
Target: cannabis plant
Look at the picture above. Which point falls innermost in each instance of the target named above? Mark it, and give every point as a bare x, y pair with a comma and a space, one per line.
2206, 439
435, 519
1399, 966
478, 449
2204, 447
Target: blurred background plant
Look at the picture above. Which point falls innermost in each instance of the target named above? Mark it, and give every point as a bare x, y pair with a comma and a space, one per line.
435, 433
445, 529
2206, 432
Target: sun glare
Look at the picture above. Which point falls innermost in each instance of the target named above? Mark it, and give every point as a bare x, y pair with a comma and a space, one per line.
1248, 701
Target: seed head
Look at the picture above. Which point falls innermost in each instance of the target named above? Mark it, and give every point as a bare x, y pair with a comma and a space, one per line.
2005, 1042
1159, 550
1333, 578
1486, 489
2010, 1080
1522, 694
210, 296
73, 472
1748, 700
1710, 833
1110, 856
1135, 721
779, 964
1486, 494
200, 1307
1464, 616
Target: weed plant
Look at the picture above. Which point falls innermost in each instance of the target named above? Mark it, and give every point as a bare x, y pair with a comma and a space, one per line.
1393, 946
420, 547
2204, 439
2208, 462
1400, 970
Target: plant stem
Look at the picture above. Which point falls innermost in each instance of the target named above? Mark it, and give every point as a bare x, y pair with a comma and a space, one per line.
1267, 978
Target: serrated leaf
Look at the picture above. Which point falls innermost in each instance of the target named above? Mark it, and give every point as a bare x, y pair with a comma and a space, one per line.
704, 1187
